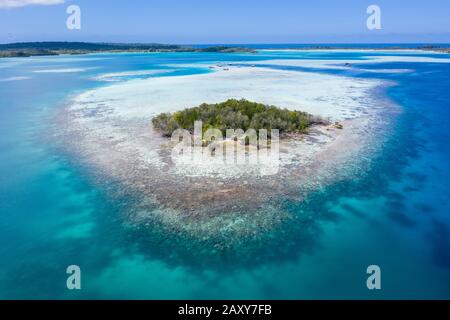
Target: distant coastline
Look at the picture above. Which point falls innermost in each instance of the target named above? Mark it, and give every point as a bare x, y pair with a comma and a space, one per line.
30, 49
433, 48
439, 47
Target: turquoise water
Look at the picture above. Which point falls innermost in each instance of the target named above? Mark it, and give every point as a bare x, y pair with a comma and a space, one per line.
53, 215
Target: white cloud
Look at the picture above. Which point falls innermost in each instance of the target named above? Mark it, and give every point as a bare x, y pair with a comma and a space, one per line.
23, 3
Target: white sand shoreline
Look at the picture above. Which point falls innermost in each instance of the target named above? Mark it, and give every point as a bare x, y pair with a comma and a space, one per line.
319, 94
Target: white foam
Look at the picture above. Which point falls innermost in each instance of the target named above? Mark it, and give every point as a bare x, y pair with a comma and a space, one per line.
20, 78
385, 70
118, 76
63, 70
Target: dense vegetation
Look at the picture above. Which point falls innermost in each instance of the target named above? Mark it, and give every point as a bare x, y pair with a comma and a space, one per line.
235, 114
27, 49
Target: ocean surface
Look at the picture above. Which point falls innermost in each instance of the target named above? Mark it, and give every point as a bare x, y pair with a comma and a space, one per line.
52, 215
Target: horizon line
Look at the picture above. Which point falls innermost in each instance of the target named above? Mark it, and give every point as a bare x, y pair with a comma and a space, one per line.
231, 43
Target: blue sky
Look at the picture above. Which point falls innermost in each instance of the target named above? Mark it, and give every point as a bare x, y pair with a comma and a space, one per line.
230, 21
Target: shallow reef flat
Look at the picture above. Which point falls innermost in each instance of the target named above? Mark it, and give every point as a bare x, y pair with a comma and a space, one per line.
108, 130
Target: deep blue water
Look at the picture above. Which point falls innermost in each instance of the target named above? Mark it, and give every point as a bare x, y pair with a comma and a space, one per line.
397, 216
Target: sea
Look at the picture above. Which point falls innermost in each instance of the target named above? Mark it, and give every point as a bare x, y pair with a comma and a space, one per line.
396, 216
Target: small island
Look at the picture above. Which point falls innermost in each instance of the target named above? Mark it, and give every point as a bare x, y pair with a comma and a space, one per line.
222, 188
237, 114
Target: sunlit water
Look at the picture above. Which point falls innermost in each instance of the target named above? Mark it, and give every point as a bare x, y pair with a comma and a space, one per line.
53, 215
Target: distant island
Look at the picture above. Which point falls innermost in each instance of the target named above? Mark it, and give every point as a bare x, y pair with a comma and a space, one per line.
380, 47
236, 114
435, 48
29, 49
53, 48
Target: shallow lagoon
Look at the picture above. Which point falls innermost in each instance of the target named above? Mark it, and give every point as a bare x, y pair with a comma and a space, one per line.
395, 214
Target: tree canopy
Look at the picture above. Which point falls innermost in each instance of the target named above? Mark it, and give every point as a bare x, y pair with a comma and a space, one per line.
236, 114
